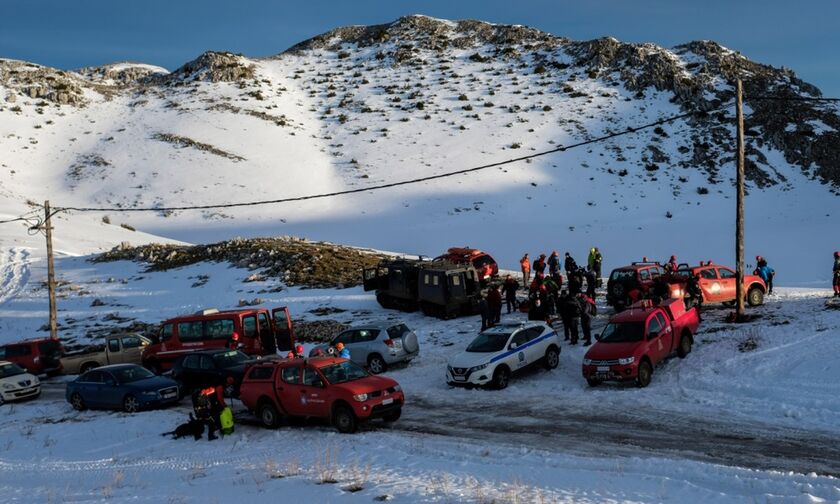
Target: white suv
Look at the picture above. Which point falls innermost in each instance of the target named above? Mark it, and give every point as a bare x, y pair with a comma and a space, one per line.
16, 383
498, 352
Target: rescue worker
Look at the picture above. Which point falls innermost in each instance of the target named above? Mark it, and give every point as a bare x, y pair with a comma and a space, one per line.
596, 266
693, 292
538, 312
564, 315
208, 404
494, 303
299, 351
575, 283
660, 290
233, 341
671, 266
484, 310
342, 350
539, 265
590, 259
570, 264
509, 289
534, 289
551, 291
587, 311
765, 272
553, 263
525, 264
836, 283
570, 312
590, 282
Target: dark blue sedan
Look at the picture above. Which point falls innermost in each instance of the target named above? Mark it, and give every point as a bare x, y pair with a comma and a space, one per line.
128, 387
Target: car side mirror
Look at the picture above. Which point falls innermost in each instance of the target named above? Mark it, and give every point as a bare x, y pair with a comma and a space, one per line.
514, 346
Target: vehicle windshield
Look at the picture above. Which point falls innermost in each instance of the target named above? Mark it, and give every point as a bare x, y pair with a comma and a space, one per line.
343, 372
623, 333
623, 275
489, 342
132, 374
230, 359
7, 370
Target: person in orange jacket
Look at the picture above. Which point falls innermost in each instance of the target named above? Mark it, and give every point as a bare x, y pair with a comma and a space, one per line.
525, 263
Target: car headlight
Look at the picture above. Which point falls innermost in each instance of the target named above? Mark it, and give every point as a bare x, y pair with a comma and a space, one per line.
360, 397
8, 386
149, 393
627, 360
397, 388
587, 362
478, 368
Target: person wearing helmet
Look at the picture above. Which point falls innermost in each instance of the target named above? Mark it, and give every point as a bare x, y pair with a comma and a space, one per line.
342, 350
837, 274
233, 341
299, 351
672, 264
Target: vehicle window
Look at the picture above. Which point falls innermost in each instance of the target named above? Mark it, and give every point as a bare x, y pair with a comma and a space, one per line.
291, 375
92, 377
166, 332
262, 321
229, 359
18, 350
726, 273
426, 279
131, 342
49, 347
2, 352
114, 345
398, 331
623, 333
482, 261
662, 322
109, 378
644, 274
534, 332
310, 377
346, 337
261, 373
131, 374
435, 280
456, 280
708, 273
365, 335
623, 275
343, 372
654, 272
219, 329
190, 331
521, 338
654, 327
249, 326
10, 369
489, 342
190, 362
207, 362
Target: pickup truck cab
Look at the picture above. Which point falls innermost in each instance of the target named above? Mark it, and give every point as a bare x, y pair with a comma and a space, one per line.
629, 284
124, 349
718, 283
636, 340
495, 354
323, 387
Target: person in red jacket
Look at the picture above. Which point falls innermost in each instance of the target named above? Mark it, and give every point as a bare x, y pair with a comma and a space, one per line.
494, 302
539, 264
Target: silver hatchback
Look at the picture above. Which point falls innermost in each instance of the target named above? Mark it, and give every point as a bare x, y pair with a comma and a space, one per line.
377, 345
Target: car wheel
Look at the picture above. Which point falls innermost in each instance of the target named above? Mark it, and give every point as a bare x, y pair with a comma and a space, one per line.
131, 404
552, 357
645, 374
501, 377
268, 414
755, 297
393, 416
77, 402
376, 364
345, 420
685, 346
593, 382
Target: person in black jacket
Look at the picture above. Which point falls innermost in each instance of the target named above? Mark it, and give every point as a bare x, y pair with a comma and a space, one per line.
539, 265
575, 282
570, 312
570, 264
590, 282
837, 274
553, 263
484, 310
587, 312
509, 289
538, 311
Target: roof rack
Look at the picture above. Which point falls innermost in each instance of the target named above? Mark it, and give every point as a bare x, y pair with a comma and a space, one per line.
207, 311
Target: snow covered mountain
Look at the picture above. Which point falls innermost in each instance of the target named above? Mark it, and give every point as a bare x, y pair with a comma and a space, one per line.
360, 106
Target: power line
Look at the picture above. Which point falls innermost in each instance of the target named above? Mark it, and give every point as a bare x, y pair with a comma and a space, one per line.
402, 182
792, 98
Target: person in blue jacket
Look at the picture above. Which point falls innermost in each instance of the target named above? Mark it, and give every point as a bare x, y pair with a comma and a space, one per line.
765, 272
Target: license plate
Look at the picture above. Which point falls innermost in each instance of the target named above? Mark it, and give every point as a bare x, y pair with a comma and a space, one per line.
387, 401
459, 378
604, 368
602, 376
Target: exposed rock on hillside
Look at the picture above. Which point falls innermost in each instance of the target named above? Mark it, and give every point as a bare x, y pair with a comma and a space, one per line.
212, 67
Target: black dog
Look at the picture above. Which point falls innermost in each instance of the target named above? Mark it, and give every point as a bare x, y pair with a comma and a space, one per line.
194, 428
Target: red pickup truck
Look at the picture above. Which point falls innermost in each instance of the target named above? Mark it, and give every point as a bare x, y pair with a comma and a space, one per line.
718, 283
321, 387
636, 340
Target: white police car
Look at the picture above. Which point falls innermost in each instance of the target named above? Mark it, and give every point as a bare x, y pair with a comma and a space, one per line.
498, 352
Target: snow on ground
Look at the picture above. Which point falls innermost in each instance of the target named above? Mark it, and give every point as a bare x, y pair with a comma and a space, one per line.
785, 383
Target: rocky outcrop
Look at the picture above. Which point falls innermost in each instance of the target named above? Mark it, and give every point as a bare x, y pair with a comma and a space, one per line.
41, 83
121, 74
211, 67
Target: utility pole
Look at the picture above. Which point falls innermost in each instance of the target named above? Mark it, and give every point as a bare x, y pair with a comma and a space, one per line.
739, 222
50, 271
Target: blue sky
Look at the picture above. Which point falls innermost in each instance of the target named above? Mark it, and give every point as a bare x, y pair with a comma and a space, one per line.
801, 35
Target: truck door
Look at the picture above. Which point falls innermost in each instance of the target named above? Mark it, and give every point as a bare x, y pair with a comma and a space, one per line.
284, 334
457, 289
132, 349
728, 283
374, 278
710, 285
658, 333
266, 333
112, 351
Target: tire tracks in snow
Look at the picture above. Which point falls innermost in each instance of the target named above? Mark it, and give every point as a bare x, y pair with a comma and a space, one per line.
14, 272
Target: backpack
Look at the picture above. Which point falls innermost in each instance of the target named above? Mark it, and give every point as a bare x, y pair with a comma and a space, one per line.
226, 419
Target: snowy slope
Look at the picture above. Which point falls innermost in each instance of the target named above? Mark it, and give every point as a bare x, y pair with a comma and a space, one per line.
367, 105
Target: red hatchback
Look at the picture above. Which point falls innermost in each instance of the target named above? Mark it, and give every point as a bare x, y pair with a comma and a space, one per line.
37, 356
322, 387
260, 333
